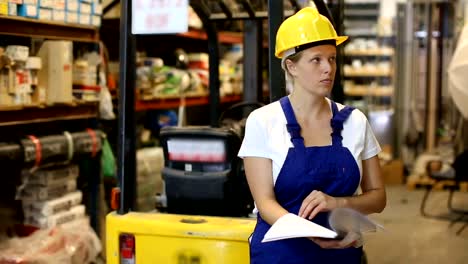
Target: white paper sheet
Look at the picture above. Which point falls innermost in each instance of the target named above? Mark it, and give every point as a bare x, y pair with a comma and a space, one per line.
292, 226
342, 220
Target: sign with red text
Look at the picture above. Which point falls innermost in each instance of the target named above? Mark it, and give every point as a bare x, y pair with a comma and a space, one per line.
159, 16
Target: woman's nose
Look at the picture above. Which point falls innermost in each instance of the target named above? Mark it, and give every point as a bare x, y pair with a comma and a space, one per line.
327, 66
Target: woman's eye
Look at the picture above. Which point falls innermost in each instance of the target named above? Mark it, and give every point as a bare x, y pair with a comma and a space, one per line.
332, 59
315, 60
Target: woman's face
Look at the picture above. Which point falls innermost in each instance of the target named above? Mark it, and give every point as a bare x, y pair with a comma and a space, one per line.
315, 70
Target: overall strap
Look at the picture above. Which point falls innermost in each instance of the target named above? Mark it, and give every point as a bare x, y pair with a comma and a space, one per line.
339, 117
293, 127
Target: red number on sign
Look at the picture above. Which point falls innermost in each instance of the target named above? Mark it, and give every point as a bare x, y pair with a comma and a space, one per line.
157, 21
139, 4
160, 3
162, 20
178, 3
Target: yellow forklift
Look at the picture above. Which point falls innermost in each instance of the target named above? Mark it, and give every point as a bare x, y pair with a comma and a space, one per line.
208, 202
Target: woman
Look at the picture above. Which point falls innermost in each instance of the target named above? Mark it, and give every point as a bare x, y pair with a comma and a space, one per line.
307, 155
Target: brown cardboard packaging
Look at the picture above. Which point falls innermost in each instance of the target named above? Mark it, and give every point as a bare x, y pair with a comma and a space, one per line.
392, 172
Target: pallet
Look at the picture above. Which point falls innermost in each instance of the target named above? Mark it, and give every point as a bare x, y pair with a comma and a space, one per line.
416, 182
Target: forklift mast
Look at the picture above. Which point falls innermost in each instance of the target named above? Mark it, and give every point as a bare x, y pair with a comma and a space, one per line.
126, 150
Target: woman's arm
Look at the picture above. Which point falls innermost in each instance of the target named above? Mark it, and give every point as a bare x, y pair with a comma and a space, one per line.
372, 200
259, 176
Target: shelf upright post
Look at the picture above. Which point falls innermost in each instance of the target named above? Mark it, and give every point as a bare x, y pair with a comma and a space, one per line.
252, 47
323, 10
336, 17
213, 50
126, 148
276, 74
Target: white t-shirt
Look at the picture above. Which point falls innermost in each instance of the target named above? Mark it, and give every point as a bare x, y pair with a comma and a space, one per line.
266, 136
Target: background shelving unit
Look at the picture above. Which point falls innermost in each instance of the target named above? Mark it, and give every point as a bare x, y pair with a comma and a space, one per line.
33, 28
193, 40
27, 27
369, 66
18, 121
169, 103
20, 115
368, 70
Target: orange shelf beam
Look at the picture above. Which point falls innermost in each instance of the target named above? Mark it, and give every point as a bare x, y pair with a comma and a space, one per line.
168, 103
27, 27
224, 37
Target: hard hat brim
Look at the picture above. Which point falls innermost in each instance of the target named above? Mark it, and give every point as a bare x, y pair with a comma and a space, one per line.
339, 40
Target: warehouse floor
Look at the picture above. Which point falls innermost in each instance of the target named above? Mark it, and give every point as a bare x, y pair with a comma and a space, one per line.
411, 238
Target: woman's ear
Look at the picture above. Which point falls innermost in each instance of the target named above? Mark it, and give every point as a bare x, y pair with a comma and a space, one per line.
290, 66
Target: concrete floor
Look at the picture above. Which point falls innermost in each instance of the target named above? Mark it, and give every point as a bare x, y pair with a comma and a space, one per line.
410, 238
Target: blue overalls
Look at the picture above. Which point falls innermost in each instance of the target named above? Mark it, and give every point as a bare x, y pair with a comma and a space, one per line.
330, 169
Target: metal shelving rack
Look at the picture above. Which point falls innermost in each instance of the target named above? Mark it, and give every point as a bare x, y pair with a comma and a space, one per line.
27, 27
375, 87
18, 120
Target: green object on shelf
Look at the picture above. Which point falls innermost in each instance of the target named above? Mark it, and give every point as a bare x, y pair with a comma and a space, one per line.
107, 160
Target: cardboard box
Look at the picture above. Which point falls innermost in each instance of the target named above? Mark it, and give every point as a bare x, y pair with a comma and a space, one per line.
45, 14
46, 3
96, 21
392, 172
30, 2
72, 17
59, 4
85, 8
56, 73
97, 8
72, 5
12, 9
3, 7
84, 19
27, 11
58, 15
6, 100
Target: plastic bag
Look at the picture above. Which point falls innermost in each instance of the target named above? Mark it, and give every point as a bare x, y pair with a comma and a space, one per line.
106, 108
107, 160
73, 243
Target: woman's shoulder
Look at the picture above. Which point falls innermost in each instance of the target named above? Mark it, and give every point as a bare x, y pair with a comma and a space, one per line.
356, 119
267, 112
356, 114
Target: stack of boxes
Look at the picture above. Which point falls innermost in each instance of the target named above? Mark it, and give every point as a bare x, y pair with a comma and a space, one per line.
85, 77
85, 12
50, 197
18, 76
51, 77
150, 162
55, 78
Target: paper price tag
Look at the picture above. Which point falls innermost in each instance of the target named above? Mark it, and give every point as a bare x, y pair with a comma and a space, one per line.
159, 16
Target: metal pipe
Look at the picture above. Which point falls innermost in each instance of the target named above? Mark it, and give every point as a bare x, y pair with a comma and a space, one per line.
126, 150
337, 92
110, 6
248, 7
431, 81
276, 79
323, 9
252, 70
259, 15
225, 9
295, 4
213, 50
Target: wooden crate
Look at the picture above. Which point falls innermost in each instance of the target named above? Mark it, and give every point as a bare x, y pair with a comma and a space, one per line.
414, 182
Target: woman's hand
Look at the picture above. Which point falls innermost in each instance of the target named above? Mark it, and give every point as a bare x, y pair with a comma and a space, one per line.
350, 240
316, 202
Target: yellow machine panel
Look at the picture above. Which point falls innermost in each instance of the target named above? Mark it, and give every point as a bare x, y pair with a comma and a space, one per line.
168, 238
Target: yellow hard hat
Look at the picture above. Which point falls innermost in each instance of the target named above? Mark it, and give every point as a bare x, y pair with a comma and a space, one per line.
306, 26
